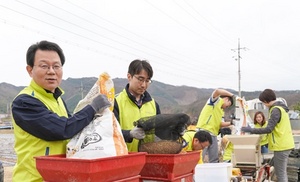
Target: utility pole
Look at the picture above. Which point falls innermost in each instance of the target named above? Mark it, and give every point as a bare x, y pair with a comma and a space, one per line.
239, 66
81, 90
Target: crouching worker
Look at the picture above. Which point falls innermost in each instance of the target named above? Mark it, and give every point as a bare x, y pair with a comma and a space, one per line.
226, 145
197, 140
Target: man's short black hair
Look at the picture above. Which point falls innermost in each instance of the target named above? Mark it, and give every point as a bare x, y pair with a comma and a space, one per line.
136, 66
203, 136
267, 96
229, 98
44, 46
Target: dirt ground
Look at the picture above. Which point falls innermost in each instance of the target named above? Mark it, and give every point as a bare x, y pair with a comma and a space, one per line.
8, 173
6, 131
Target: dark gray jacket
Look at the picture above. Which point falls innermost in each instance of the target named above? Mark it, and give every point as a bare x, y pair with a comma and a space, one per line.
274, 118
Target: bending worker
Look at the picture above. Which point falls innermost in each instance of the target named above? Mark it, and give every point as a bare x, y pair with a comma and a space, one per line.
197, 140
210, 119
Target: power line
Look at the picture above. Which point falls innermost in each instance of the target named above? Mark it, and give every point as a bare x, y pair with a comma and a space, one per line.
217, 32
179, 23
179, 67
182, 68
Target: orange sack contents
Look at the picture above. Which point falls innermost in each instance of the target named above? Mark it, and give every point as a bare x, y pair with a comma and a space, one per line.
103, 136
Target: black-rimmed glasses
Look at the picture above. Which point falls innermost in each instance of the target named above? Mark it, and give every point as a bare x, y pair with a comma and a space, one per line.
142, 80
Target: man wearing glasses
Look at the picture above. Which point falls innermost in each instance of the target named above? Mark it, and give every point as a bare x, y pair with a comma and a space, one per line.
134, 102
197, 141
42, 122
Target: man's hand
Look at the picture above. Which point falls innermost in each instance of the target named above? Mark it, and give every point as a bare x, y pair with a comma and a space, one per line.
137, 133
100, 103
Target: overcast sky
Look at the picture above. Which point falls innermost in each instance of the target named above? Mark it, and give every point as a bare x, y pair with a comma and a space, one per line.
187, 42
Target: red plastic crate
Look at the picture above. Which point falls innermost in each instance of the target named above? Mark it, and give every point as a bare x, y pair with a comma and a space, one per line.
58, 168
169, 167
186, 178
131, 179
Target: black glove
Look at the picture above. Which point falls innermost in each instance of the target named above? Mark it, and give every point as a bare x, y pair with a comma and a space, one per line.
100, 103
246, 129
137, 133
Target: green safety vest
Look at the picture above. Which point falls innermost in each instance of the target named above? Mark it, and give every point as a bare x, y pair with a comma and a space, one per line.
211, 117
281, 137
188, 137
130, 112
264, 137
228, 151
28, 146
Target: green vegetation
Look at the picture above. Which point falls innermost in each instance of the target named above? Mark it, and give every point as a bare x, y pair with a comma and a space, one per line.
296, 107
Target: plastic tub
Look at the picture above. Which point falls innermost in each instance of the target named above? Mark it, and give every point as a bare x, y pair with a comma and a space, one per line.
58, 168
169, 167
208, 172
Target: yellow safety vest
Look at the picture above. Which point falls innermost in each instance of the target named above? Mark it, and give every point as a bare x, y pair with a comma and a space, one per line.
28, 146
188, 137
264, 137
281, 137
211, 117
228, 151
130, 112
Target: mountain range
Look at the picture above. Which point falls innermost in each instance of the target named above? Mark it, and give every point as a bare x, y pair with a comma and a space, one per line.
172, 99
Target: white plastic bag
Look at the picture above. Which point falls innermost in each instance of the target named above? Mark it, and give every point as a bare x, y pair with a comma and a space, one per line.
103, 136
105, 86
245, 118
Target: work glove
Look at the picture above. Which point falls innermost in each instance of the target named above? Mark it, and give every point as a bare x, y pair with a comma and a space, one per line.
246, 129
137, 133
235, 97
100, 103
